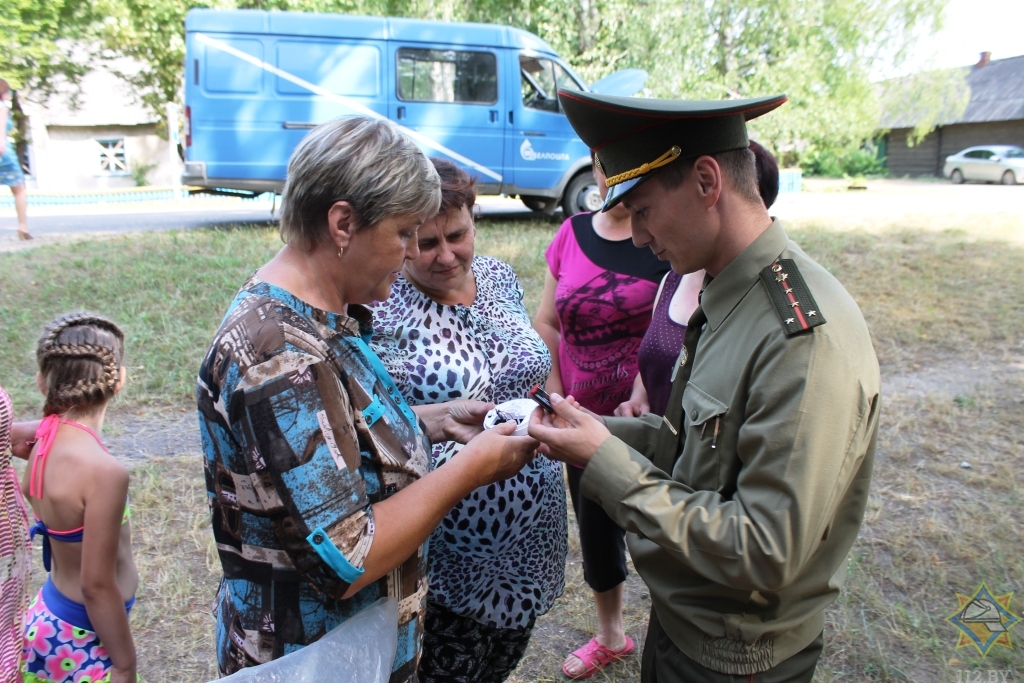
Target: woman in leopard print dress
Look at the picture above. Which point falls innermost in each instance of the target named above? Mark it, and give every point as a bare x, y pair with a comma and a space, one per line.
455, 327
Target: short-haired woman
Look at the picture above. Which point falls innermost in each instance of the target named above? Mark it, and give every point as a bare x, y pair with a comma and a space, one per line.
454, 328
596, 305
316, 468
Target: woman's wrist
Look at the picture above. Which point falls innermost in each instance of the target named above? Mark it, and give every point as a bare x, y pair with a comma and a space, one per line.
432, 417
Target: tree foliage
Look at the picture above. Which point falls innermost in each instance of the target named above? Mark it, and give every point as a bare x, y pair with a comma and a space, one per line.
924, 100
45, 41
819, 52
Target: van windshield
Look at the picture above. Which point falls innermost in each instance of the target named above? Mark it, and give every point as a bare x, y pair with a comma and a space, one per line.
541, 80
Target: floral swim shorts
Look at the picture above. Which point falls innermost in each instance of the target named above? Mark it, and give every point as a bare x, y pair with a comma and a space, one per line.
55, 649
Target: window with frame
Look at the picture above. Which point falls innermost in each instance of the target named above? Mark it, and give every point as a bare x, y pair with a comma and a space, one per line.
541, 79
112, 156
447, 76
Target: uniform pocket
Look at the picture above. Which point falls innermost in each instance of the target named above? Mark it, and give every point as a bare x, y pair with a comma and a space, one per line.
702, 415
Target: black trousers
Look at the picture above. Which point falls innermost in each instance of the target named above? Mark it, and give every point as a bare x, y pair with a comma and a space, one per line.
663, 662
602, 541
457, 649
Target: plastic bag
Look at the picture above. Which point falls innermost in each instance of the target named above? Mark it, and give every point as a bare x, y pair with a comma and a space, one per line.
361, 650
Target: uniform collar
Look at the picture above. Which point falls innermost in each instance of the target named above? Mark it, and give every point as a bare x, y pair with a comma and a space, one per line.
732, 284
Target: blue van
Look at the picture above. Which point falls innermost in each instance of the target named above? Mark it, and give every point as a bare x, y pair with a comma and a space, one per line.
480, 94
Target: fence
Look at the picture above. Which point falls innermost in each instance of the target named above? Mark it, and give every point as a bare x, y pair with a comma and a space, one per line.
121, 196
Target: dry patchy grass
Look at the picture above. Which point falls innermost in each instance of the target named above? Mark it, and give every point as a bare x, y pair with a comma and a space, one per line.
943, 302
178, 569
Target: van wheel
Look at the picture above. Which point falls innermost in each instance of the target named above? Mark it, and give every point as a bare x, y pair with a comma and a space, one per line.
957, 177
581, 195
1008, 178
533, 202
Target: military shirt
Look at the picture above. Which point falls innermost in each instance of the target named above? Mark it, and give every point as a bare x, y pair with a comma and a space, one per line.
744, 543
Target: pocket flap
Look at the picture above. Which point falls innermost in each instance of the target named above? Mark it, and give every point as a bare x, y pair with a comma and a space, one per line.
700, 406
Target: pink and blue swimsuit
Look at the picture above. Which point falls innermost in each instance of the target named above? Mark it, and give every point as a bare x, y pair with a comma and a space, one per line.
61, 645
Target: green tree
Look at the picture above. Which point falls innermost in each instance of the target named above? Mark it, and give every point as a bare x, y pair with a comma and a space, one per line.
924, 100
43, 42
819, 52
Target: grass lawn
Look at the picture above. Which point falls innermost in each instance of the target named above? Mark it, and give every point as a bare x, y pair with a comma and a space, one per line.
945, 308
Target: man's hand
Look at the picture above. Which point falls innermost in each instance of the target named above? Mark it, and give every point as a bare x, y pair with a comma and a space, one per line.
571, 434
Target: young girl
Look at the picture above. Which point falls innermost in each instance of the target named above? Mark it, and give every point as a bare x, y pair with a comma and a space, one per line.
77, 629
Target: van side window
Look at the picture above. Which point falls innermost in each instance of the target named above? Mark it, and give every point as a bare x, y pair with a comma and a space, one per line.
541, 79
447, 76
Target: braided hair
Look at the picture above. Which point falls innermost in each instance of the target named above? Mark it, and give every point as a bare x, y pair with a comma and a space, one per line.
80, 358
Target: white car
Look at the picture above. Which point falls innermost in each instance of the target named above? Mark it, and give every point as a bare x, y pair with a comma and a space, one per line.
989, 163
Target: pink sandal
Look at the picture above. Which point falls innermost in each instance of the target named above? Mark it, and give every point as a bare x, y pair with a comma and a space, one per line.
596, 656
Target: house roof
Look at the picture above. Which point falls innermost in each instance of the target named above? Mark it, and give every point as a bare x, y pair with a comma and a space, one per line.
997, 94
105, 100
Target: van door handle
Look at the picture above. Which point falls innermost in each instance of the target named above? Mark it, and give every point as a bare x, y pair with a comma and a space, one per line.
533, 133
494, 116
298, 125
510, 117
401, 112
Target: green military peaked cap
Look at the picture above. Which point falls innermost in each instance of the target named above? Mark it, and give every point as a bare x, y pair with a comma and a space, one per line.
633, 136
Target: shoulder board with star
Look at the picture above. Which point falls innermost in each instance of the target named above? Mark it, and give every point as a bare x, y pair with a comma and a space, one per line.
793, 301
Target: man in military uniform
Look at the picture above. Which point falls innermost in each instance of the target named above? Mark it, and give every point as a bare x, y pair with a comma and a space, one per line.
743, 501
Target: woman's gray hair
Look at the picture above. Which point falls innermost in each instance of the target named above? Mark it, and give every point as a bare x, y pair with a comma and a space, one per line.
367, 162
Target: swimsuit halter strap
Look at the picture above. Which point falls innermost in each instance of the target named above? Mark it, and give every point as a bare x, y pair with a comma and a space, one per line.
46, 434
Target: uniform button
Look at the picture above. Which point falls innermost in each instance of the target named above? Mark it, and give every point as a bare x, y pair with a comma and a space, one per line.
693, 414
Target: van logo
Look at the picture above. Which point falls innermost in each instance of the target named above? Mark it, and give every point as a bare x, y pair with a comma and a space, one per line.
527, 151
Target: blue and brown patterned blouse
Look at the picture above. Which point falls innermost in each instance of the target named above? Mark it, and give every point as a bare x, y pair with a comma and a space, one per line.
300, 438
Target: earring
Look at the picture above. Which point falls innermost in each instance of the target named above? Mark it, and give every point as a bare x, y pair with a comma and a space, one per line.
340, 252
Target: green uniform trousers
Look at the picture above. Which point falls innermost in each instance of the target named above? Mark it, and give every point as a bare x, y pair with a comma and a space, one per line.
663, 662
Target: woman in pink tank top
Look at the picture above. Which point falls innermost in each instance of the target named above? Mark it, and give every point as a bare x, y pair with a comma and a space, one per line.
596, 306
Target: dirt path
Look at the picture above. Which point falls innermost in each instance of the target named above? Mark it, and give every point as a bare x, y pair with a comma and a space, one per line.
988, 380
136, 436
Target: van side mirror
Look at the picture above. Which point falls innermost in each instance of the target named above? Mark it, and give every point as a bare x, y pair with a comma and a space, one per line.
995, 157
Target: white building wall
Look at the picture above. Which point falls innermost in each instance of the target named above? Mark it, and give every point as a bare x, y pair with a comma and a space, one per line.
68, 158
63, 151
